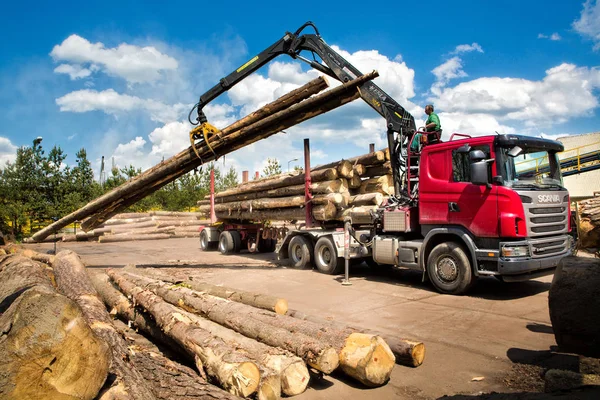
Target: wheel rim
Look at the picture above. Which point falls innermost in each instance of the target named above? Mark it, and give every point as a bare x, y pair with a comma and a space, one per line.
222, 245
296, 253
204, 240
447, 269
252, 247
324, 256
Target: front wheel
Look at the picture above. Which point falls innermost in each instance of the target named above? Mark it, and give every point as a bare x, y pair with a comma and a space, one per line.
300, 251
449, 269
326, 258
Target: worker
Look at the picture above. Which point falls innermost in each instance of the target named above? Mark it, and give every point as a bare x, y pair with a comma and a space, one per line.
431, 125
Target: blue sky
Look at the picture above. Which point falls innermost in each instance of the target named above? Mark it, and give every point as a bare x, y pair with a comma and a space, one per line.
118, 78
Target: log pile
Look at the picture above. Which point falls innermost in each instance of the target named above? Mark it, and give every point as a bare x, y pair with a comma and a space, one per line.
291, 109
589, 222
59, 337
340, 189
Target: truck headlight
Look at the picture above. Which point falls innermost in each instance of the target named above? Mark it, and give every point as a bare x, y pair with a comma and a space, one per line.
515, 251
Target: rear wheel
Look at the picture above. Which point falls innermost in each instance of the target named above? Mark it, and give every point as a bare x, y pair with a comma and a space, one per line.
326, 258
267, 245
205, 243
229, 242
449, 269
300, 251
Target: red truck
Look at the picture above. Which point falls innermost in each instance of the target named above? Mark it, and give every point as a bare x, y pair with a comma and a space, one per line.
463, 208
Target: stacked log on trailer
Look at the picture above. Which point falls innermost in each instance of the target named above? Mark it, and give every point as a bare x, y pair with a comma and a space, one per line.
589, 222
347, 187
289, 110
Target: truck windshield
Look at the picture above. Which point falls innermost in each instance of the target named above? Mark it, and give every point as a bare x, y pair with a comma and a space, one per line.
531, 168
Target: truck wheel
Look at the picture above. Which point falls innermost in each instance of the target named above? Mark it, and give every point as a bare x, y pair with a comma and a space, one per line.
229, 242
300, 250
266, 245
326, 257
449, 269
205, 244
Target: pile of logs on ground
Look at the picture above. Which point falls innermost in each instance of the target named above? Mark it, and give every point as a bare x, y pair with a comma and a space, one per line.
58, 337
347, 187
589, 222
291, 109
151, 225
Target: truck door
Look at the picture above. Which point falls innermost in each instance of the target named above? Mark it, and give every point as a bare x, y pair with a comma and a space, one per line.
471, 206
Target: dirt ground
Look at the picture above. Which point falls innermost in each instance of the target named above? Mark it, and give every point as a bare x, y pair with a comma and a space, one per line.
499, 332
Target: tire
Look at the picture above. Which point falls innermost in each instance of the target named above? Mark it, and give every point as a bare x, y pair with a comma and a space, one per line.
205, 244
325, 257
300, 251
449, 269
229, 242
266, 245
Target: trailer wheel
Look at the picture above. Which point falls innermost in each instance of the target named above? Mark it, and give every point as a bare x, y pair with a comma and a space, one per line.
205, 244
449, 269
229, 242
266, 245
326, 258
300, 250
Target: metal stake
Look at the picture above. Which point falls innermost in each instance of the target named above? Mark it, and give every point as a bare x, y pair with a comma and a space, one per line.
346, 281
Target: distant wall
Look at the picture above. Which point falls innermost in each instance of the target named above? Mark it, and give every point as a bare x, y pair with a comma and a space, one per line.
581, 185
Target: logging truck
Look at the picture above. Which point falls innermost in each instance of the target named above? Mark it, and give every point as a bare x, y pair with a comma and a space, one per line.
460, 209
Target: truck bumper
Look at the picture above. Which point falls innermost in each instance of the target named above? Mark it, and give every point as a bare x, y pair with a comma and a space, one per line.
536, 265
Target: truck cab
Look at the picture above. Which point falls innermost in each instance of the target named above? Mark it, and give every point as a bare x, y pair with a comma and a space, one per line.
492, 205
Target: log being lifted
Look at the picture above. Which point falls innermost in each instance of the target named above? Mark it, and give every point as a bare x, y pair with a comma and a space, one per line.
234, 371
246, 131
278, 202
235, 316
72, 280
325, 187
40, 332
258, 300
320, 213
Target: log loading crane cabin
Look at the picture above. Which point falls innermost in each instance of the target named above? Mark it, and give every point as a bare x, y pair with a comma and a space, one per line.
464, 208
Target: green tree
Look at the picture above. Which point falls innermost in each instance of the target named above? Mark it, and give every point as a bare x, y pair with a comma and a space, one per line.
273, 167
230, 179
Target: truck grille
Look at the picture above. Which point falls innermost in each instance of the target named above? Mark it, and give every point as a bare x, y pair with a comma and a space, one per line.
546, 219
549, 247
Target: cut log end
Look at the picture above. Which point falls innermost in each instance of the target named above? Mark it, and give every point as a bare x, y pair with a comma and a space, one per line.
294, 379
367, 358
327, 361
281, 306
269, 388
245, 379
407, 352
418, 354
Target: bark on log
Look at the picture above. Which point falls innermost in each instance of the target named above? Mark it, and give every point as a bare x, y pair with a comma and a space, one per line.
359, 169
557, 379
407, 352
19, 274
366, 199
133, 237
378, 170
36, 256
574, 300
276, 202
177, 165
358, 214
48, 351
236, 316
136, 225
320, 213
131, 215
179, 214
126, 221
354, 182
589, 365
168, 380
145, 231
194, 222
72, 280
233, 370
377, 157
258, 300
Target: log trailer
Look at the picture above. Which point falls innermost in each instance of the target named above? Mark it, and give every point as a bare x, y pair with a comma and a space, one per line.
464, 208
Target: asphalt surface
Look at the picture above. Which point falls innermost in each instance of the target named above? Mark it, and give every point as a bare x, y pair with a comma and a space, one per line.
481, 335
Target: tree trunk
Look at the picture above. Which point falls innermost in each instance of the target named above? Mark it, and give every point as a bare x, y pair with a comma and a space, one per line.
407, 352
145, 231
366, 199
277, 202
354, 182
132, 237
128, 227
378, 170
39, 332
151, 180
48, 351
126, 221
131, 215
377, 157
254, 299
320, 213
179, 214
168, 380
574, 300
359, 169
358, 214
72, 280
232, 369
383, 185
237, 316
194, 222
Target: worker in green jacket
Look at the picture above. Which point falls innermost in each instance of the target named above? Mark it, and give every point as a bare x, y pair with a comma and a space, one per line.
431, 125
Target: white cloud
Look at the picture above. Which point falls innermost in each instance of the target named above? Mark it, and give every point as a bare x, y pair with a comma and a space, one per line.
588, 24
554, 37
451, 69
566, 91
466, 48
474, 124
74, 71
133, 63
116, 104
8, 151
132, 153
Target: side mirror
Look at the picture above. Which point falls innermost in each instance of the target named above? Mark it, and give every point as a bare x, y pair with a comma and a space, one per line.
515, 151
476, 155
479, 172
465, 148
